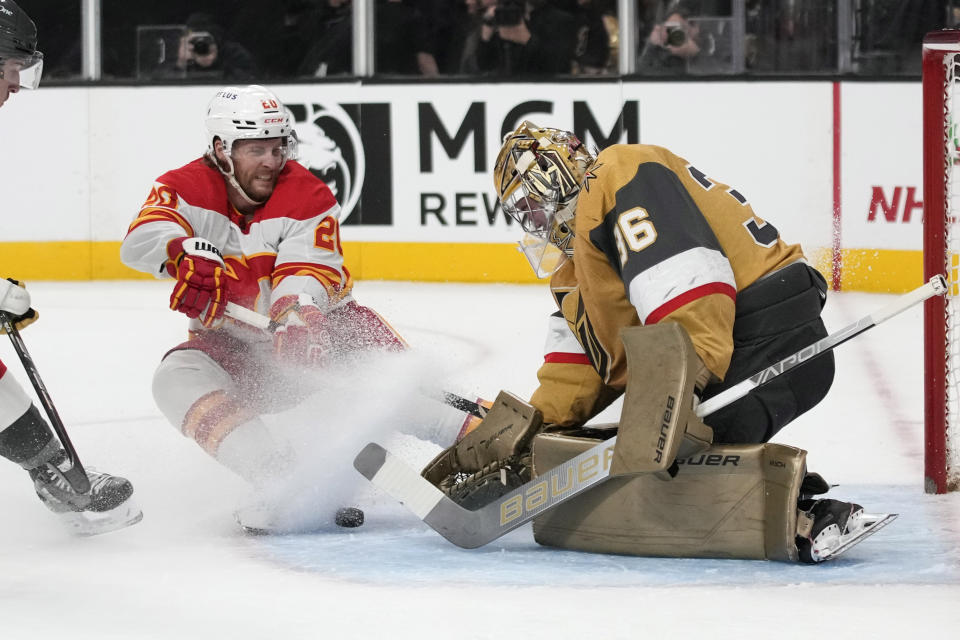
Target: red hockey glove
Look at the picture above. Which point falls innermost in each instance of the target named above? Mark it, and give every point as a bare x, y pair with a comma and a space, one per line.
198, 267
302, 336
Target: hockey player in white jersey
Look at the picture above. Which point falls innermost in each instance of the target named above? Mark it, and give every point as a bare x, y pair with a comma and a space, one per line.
25, 437
247, 224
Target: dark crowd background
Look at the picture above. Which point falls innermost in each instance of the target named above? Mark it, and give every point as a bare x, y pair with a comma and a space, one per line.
243, 40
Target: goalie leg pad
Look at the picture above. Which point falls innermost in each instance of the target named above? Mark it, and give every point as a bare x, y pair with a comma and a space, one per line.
730, 501
504, 434
657, 423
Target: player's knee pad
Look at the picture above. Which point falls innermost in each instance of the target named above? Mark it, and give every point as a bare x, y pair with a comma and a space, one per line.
28, 441
197, 396
657, 423
233, 433
727, 501
184, 377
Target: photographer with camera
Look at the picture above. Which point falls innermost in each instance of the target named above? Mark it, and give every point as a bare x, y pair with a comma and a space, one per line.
519, 37
673, 43
204, 53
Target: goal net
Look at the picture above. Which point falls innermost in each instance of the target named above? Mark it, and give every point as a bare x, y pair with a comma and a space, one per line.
941, 250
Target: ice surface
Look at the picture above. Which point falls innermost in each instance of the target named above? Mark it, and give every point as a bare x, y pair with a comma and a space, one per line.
187, 572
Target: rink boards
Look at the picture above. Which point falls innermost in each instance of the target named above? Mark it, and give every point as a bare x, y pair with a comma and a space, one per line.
834, 166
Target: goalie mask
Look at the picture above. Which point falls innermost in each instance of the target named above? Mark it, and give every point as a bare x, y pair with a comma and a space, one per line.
20, 62
538, 176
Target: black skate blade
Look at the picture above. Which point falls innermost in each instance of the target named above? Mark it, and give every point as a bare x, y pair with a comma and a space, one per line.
881, 521
256, 531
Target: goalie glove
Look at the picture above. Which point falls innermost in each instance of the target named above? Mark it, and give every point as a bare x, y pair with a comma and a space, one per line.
302, 335
200, 291
15, 302
493, 458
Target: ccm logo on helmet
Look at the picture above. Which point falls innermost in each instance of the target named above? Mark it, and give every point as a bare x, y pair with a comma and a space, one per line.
273, 120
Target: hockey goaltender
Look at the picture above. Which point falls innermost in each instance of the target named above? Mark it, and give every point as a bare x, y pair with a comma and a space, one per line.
669, 290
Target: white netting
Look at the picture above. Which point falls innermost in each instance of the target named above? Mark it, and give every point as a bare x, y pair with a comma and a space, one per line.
952, 259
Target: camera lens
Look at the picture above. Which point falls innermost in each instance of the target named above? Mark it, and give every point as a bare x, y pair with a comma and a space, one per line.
201, 45
676, 36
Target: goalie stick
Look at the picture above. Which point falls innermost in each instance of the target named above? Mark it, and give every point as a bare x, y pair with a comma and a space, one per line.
471, 529
75, 475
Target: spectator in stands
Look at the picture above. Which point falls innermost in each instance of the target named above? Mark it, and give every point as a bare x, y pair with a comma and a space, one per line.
597, 36
672, 43
205, 53
526, 37
401, 47
279, 39
332, 53
466, 38
445, 26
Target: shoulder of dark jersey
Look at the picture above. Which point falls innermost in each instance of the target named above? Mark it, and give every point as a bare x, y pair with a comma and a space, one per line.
198, 184
627, 155
299, 195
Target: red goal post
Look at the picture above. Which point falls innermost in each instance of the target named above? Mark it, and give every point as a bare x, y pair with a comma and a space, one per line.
941, 255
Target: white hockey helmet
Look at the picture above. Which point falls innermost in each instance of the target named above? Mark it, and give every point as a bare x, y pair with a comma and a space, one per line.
246, 113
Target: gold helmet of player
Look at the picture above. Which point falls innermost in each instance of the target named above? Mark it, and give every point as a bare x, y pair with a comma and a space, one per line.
538, 175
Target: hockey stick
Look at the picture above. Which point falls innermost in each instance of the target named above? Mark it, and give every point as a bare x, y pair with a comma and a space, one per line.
75, 475
937, 286
471, 529
248, 316
475, 409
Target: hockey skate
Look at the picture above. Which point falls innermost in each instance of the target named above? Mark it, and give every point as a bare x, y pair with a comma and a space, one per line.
107, 506
836, 527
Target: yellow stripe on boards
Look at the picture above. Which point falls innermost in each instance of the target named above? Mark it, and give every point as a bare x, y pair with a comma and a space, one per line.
417, 261
874, 270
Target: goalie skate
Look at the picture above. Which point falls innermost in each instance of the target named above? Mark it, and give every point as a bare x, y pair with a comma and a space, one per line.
837, 527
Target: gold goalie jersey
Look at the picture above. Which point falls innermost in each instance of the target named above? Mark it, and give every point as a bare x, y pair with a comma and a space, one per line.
656, 239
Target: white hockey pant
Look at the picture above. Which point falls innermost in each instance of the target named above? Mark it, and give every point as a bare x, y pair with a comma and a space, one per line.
200, 398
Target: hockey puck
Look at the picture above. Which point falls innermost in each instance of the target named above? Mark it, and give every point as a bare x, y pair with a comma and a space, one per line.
350, 517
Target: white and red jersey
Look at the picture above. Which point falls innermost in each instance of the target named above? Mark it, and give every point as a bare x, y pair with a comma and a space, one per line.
290, 245
14, 402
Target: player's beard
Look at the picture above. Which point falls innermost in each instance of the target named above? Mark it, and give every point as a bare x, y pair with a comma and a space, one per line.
258, 184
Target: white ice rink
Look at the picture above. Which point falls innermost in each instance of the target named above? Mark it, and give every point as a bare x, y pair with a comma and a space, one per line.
187, 572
